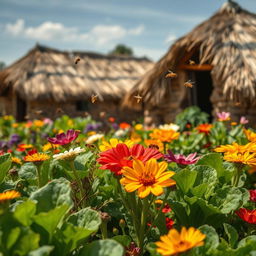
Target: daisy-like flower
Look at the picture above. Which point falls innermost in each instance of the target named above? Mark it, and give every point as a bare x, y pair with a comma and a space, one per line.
147, 178
69, 155
64, 138
49, 146
244, 158
170, 126
234, 147
181, 159
223, 116
204, 128
116, 158
91, 139
113, 143
252, 195
243, 120
36, 157
158, 143
124, 125
9, 195
164, 135
16, 160
247, 215
23, 147
175, 242
250, 135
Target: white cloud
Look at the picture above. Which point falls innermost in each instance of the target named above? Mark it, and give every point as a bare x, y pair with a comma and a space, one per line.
152, 53
50, 31
170, 39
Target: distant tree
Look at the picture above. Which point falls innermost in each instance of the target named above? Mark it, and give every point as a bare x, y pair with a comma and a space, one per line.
122, 49
2, 65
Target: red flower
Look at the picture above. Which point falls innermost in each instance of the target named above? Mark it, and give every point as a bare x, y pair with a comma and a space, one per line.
204, 128
111, 119
166, 209
124, 125
247, 215
253, 195
116, 158
169, 222
32, 151
64, 138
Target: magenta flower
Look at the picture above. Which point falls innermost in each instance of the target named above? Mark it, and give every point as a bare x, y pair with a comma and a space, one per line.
223, 116
243, 120
252, 195
181, 159
64, 138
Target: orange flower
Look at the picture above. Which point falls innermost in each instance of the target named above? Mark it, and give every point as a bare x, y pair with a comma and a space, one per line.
250, 135
164, 135
244, 158
158, 143
36, 157
124, 125
16, 160
204, 128
8, 195
23, 147
234, 147
111, 119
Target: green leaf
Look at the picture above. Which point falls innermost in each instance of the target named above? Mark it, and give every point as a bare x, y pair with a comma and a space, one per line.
5, 165
103, 248
42, 251
231, 234
185, 179
213, 160
28, 172
24, 212
212, 238
50, 220
247, 240
12, 237
53, 194
45, 172
81, 161
124, 240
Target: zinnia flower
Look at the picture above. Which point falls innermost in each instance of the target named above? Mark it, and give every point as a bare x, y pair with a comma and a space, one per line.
113, 143
64, 138
252, 195
250, 135
116, 158
158, 143
68, 155
204, 128
223, 116
164, 135
175, 242
91, 139
247, 215
36, 157
169, 223
181, 159
16, 160
8, 195
170, 126
124, 125
244, 158
23, 147
243, 120
147, 178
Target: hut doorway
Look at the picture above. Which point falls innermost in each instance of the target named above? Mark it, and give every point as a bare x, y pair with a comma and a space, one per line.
21, 109
202, 91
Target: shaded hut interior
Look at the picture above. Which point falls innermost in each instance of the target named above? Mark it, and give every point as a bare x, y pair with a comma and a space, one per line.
50, 81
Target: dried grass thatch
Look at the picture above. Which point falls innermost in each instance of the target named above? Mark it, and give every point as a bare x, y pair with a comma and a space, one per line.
227, 41
46, 73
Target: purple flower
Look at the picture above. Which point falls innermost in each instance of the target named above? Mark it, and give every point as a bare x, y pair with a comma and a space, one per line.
64, 138
115, 126
181, 159
223, 116
243, 120
15, 138
92, 127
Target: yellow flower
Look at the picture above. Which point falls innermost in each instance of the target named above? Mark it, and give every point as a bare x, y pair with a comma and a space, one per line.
175, 242
148, 178
157, 143
37, 157
245, 158
164, 135
250, 135
48, 146
70, 123
8, 195
113, 143
60, 131
38, 123
234, 147
16, 160
8, 117
138, 127
159, 201
135, 137
91, 133
233, 123
15, 125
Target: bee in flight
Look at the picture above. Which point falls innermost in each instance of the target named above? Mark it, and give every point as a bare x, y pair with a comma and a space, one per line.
189, 84
171, 74
94, 98
138, 98
77, 60
191, 62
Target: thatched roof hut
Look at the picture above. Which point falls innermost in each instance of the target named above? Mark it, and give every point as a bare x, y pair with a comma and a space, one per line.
223, 67
47, 75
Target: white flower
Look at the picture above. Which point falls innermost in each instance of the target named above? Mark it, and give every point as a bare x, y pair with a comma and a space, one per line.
67, 155
120, 133
170, 126
91, 139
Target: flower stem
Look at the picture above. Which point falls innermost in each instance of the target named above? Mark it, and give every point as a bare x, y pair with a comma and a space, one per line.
104, 230
39, 178
239, 171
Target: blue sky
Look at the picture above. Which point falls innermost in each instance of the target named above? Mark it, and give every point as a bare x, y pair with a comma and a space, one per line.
148, 26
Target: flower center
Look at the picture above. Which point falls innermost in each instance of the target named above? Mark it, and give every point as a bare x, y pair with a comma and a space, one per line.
147, 180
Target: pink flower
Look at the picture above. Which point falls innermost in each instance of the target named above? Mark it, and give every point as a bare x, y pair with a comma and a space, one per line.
181, 159
243, 120
253, 195
47, 121
64, 138
223, 116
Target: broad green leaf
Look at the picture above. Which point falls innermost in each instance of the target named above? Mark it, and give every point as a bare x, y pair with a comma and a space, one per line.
179, 208
81, 161
231, 234
212, 238
124, 240
28, 172
12, 237
53, 194
5, 164
185, 179
105, 247
24, 212
42, 251
45, 172
247, 240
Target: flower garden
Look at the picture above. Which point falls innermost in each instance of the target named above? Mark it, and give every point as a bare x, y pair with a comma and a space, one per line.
75, 186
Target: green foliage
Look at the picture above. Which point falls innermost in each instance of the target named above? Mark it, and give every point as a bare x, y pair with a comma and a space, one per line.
122, 49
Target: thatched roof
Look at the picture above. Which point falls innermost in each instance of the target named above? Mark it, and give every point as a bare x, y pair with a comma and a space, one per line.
46, 73
227, 41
